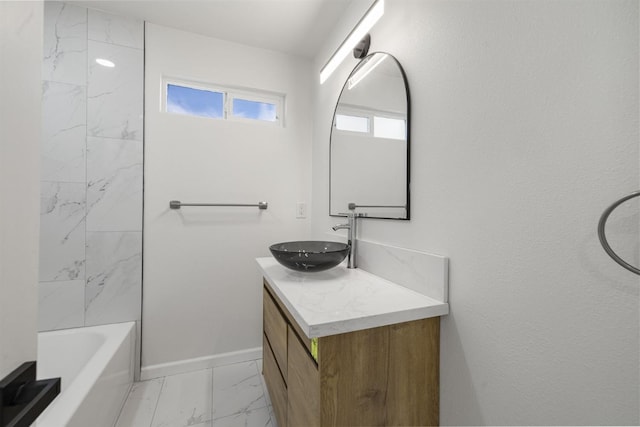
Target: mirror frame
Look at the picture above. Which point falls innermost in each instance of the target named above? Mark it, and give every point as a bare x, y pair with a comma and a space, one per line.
333, 117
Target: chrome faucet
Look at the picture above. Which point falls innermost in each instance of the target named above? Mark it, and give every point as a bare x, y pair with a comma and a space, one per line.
351, 226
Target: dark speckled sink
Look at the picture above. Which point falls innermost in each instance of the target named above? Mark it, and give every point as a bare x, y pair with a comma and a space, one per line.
309, 256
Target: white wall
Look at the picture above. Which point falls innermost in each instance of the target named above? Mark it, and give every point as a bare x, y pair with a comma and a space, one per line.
525, 127
20, 89
202, 287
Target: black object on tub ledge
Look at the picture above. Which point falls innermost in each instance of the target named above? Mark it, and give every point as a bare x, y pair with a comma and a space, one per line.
23, 398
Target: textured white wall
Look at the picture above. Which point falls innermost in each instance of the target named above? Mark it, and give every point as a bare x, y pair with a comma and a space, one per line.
20, 91
202, 287
525, 127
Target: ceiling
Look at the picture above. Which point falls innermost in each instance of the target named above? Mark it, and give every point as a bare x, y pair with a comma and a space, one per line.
292, 26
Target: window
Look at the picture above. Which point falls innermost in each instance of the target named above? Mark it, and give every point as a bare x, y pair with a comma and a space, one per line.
194, 102
352, 123
385, 127
371, 123
210, 101
244, 108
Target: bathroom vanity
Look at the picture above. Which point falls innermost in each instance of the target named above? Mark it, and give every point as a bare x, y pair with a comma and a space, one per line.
344, 347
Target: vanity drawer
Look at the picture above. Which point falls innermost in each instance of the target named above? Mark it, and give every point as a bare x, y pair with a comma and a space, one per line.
275, 383
308, 343
275, 328
303, 385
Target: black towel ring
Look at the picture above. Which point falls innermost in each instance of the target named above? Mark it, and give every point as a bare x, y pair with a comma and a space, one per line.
603, 238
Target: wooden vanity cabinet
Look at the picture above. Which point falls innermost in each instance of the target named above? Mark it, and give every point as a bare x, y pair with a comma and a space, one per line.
387, 375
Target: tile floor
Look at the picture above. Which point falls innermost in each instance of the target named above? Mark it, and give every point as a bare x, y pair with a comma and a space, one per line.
226, 396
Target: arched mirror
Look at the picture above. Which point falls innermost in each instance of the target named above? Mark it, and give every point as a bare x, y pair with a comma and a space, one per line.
369, 160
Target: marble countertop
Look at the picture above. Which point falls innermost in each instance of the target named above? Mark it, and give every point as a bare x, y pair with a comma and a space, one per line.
343, 300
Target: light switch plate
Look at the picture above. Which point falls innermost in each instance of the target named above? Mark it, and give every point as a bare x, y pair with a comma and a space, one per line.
301, 210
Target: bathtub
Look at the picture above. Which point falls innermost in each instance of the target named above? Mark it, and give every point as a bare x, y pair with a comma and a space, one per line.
96, 366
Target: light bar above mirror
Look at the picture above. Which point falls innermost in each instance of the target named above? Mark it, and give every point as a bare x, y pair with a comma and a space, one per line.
365, 24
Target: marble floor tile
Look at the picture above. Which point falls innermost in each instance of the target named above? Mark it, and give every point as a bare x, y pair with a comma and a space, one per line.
264, 384
60, 305
185, 400
141, 404
237, 389
274, 422
260, 417
181, 400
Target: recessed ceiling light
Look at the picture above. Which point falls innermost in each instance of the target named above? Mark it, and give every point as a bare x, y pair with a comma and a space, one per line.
105, 62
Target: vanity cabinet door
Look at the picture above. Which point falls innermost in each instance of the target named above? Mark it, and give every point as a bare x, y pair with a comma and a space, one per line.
275, 328
275, 383
303, 385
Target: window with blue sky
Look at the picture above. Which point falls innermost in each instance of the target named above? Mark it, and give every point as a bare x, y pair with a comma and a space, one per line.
254, 110
194, 102
221, 103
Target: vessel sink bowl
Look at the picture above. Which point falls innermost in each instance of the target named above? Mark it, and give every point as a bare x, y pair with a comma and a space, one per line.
309, 256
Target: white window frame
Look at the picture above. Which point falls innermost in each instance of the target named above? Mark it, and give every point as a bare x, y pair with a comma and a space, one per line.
354, 114
390, 116
369, 114
255, 96
229, 94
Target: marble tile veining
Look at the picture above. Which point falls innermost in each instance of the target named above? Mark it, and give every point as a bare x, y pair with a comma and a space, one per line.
141, 404
260, 417
237, 389
107, 28
264, 384
62, 238
114, 106
91, 188
274, 421
114, 185
114, 277
64, 132
185, 400
64, 43
344, 300
60, 305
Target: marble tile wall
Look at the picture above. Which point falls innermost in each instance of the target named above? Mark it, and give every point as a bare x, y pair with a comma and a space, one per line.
91, 160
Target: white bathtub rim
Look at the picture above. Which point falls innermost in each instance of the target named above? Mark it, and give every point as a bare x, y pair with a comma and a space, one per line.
66, 404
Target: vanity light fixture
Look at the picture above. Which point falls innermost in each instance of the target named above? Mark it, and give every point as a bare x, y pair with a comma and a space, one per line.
365, 24
105, 62
364, 70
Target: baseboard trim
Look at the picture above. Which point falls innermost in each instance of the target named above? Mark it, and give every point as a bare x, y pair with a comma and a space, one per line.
198, 363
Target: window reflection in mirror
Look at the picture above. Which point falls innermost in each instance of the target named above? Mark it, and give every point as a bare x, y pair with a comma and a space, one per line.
369, 164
